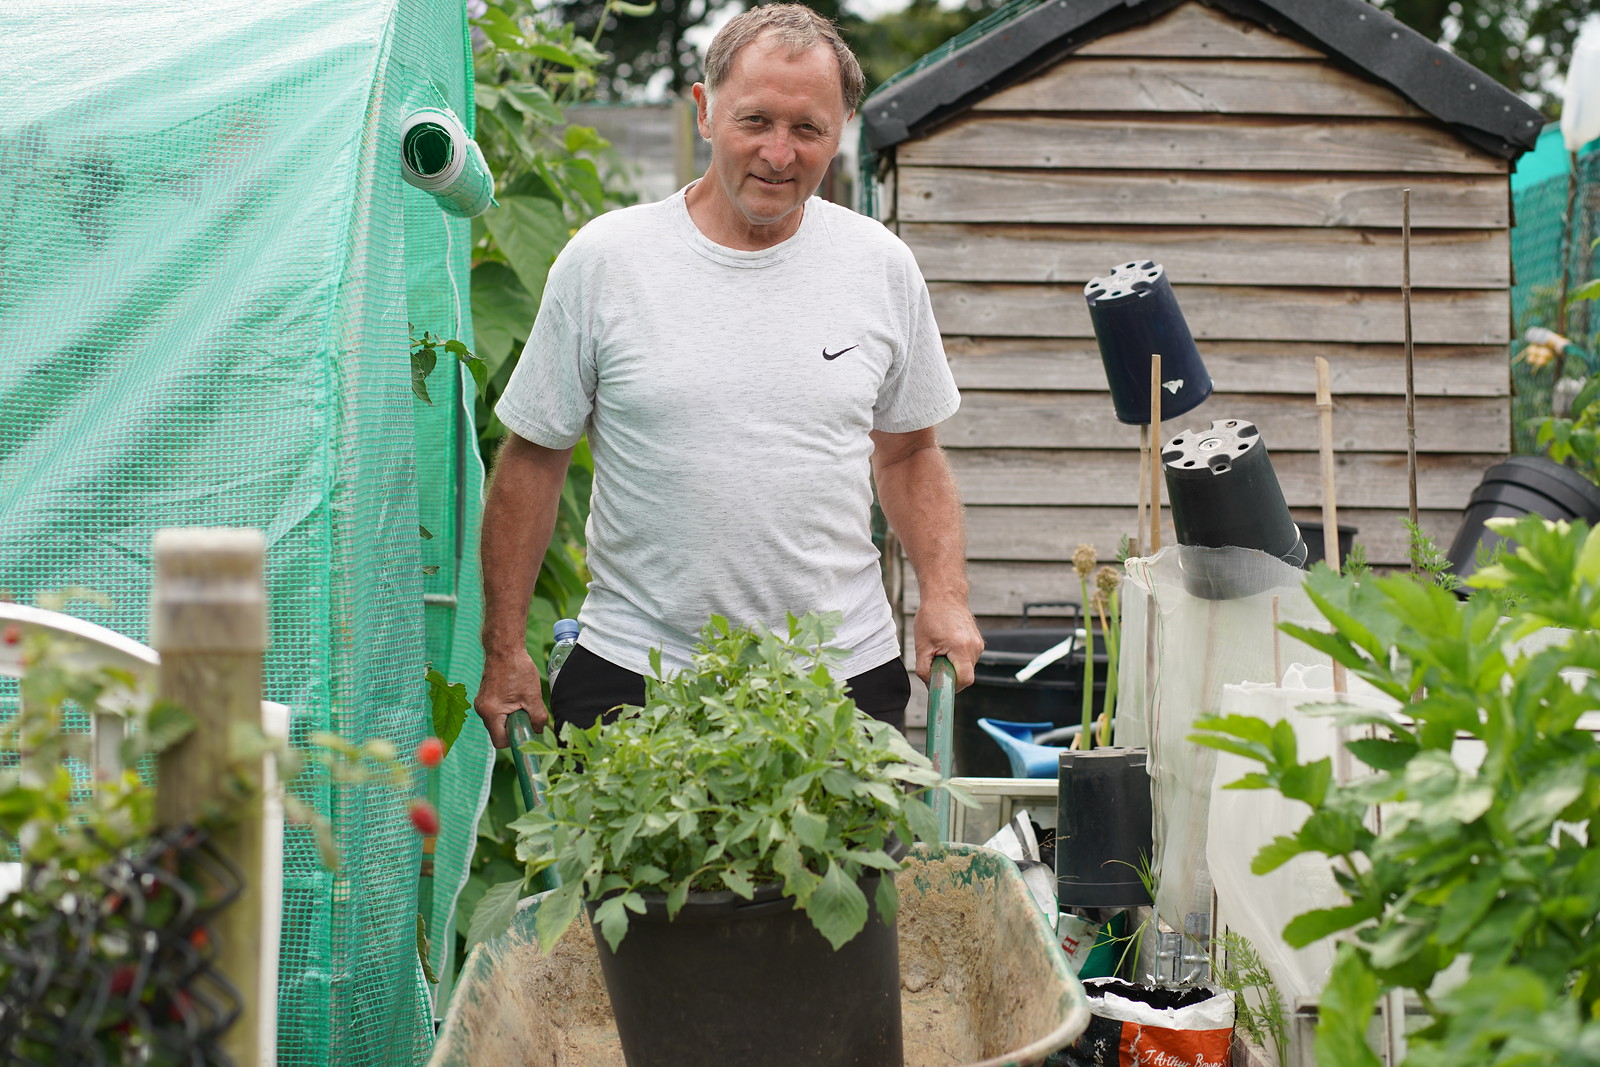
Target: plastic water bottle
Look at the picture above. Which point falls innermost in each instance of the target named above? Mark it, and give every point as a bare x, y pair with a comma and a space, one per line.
566, 632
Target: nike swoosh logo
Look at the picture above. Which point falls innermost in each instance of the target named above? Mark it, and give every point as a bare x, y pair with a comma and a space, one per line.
835, 355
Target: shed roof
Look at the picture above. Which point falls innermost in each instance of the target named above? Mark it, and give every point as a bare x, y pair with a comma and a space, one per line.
1352, 33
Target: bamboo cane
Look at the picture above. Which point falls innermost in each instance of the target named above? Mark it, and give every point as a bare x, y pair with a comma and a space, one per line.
1411, 380
1155, 453
1330, 507
1144, 484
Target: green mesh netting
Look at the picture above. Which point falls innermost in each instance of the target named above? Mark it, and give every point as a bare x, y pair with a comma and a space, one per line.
1538, 242
208, 261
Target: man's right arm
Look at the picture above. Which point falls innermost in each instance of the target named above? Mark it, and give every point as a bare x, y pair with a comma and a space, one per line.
519, 518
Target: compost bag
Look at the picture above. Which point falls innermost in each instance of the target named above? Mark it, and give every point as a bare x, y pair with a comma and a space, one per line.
1144, 1026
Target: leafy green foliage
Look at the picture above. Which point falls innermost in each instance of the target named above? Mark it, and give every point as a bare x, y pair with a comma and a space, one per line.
1258, 1006
1575, 440
750, 768
450, 704
425, 356
1499, 864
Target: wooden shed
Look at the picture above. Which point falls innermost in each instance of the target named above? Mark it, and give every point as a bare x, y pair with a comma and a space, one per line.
1258, 150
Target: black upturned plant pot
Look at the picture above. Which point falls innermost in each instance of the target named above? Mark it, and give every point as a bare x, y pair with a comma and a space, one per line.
1134, 315
1225, 494
1103, 828
730, 981
1518, 486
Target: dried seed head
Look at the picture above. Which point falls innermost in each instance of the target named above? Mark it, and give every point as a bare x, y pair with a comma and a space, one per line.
1083, 560
1106, 579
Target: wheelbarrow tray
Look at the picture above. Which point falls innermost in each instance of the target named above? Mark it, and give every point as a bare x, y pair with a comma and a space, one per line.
983, 981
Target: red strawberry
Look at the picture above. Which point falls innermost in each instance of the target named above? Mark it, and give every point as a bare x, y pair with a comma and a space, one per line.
430, 752
424, 818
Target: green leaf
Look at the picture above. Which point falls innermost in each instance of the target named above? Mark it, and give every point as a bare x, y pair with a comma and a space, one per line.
812, 830
554, 54
501, 30
534, 102
423, 950
166, 725
738, 883
502, 313
422, 531
1382, 755
1345, 1012
838, 907
450, 704
530, 230
422, 364
888, 900
557, 910
612, 915
1315, 925
1535, 807
494, 912
1275, 854
1589, 290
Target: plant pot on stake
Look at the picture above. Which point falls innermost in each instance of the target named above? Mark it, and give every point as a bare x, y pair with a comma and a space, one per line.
729, 839
1224, 494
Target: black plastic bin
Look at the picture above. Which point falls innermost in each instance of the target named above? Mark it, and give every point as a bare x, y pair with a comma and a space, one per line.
1054, 695
1518, 486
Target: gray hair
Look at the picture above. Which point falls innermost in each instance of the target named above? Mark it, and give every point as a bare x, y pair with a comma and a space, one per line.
794, 25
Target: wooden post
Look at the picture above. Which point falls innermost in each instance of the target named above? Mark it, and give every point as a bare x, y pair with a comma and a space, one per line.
208, 620
1144, 478
1155, 453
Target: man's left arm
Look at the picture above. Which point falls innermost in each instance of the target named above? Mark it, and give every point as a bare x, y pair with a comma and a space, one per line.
919, 498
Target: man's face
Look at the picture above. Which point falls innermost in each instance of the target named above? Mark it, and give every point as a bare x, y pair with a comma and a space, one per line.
774, 126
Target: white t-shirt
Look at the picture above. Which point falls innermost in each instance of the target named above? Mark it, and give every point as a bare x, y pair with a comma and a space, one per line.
728, 397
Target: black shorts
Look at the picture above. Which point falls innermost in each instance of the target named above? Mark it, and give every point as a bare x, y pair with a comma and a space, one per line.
589, 687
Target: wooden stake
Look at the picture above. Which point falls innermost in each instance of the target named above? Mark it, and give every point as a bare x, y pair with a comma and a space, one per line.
1144, 486
1155, 453
1330, 509
1411, 380
208, 620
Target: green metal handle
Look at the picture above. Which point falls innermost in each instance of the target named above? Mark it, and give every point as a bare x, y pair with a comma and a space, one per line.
941, 733
519, 726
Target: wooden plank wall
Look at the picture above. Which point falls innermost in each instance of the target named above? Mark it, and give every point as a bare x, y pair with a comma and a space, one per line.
1267, 181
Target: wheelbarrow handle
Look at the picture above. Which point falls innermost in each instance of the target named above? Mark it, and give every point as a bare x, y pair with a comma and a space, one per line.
941, 733
519, 725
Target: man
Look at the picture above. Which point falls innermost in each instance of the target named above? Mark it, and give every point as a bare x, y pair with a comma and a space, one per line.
744, 358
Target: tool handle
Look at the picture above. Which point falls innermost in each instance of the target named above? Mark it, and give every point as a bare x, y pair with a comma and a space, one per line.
941, 733
519, 725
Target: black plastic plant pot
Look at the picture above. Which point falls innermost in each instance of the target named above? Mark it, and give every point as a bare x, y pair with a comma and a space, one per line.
1225, 494
1518, 486
1136, 315
734, 981
1103, 828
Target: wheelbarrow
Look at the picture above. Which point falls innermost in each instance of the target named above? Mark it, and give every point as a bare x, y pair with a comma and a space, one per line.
983, 981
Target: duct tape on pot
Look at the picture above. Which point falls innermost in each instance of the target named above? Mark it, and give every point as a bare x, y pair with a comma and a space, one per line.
438, 157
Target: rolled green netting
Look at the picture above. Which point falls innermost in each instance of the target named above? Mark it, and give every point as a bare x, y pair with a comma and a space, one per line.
208, 261
440, 158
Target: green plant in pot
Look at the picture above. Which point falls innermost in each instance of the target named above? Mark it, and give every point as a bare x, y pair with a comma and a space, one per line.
734, 840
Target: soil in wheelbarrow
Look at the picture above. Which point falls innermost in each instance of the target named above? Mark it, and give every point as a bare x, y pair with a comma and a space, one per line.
974, 981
